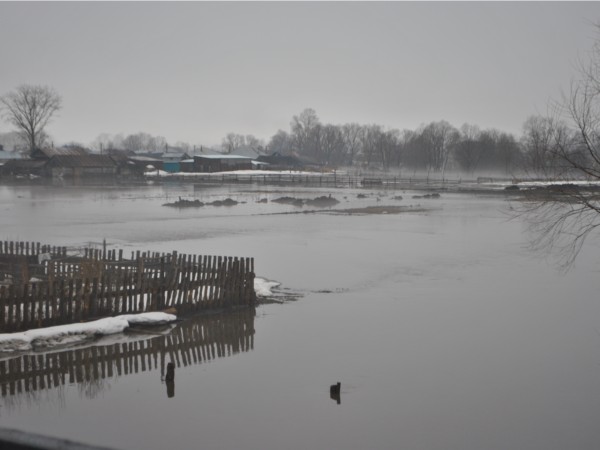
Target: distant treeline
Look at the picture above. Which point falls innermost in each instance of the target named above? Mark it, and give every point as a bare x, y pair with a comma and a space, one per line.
434, 147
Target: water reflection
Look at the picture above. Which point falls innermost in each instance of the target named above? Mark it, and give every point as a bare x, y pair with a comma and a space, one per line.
193, 341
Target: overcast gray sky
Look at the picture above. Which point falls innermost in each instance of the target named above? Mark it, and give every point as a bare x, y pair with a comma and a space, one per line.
195, 71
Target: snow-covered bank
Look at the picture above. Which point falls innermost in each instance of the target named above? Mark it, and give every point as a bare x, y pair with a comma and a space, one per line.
263, 287
80, 332
77, 332
164, 174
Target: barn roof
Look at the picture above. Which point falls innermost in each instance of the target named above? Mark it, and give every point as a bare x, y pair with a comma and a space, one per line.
58, 151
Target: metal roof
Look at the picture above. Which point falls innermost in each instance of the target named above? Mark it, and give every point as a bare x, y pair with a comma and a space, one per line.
221, 157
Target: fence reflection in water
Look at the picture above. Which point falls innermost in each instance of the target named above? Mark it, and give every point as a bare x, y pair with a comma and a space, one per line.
194, 341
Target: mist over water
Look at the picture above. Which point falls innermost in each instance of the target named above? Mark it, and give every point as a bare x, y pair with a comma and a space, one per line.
444, 329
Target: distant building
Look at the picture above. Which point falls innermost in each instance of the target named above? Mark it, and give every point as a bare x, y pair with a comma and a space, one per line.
6, 155
22, 167
279, 161
117, 153
187, 165
76, 166
172, 161
247, 151
221, 163
48, 152
146, 163
205, 151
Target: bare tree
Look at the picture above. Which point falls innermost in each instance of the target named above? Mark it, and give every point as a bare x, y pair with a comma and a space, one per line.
544, 139
371, 137
254, 142
582, 108
281, 142
508, 152
352, 136
305, 129
440, 138
468, 150
564, 216
232, 141
144, 142
331, 145
30, 108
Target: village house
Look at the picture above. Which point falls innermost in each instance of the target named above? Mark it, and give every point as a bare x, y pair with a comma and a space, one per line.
77, 166
48, 152
284, 162
22, 168
221, 163
171, 161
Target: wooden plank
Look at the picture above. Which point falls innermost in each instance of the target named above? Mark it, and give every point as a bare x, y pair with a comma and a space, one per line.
36, 307
52, 301
118, 294
240, 291
181, 280
93, 300
69, 316
21, 305
210, 280
3, 308
48, 295
225, 270
197, 282
78, 300
101, 299
129, 281
203, 281
62, 304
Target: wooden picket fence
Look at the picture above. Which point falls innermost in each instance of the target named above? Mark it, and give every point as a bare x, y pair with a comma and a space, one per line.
59, 288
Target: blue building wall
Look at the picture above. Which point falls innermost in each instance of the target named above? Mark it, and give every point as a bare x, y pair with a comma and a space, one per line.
171, 167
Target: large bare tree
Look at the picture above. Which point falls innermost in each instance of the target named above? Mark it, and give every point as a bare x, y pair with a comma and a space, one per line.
30, 108
305, 129
564, 215
440, 139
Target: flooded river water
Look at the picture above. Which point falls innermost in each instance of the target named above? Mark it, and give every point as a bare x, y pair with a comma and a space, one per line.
443, 328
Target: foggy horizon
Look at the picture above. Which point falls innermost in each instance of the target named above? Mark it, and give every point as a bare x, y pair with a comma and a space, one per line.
193, 72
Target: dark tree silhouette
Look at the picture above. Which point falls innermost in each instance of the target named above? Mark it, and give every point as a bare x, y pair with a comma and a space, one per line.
30, 108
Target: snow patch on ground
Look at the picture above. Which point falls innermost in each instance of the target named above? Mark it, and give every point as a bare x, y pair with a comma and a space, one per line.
263, 287
162, 173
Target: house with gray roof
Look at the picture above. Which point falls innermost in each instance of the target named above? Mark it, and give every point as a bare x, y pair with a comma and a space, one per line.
47, 153
221, 163
77, 166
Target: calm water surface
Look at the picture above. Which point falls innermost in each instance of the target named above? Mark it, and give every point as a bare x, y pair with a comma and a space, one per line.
444, 330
